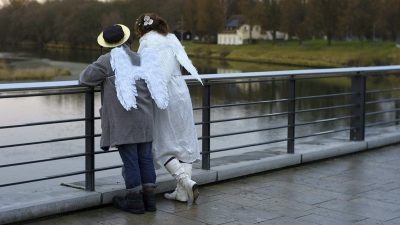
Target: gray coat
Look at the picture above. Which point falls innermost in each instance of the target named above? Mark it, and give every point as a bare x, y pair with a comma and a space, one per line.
118, 125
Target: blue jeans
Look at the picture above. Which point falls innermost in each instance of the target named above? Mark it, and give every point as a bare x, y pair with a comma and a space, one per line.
138, 165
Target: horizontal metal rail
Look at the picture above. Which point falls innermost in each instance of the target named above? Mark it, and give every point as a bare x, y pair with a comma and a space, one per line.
44, 178
246, 146
324, 96
241, 104
44, 160
244, 118
60, 176
39, 86
249, 81
55, 158
278, 127
248, 103
380, 101
43, 123
243, 132
383, 90
382, 123
43, 94
382, 111
323, 121
276, 141
312, 72
44, 142
323, 133
324, 108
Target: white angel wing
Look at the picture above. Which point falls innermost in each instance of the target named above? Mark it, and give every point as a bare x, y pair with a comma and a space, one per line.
182, 57
152, 71
124, 79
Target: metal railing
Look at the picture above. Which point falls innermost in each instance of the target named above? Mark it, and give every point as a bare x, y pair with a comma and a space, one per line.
357, 102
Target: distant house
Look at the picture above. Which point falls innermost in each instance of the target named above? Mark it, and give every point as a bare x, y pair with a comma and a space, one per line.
237, 32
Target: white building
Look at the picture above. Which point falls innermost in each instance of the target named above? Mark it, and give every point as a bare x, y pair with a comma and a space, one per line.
238, 33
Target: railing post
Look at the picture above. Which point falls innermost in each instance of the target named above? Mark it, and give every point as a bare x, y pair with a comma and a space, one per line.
291, 114
357, 123
89, 143
206, 115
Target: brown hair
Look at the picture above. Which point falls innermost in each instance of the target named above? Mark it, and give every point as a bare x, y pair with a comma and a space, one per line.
158, 24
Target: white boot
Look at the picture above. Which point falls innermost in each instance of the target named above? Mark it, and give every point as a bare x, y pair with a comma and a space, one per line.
179, 193
175, 168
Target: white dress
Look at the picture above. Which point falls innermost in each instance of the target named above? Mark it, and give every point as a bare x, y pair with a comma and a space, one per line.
174, 130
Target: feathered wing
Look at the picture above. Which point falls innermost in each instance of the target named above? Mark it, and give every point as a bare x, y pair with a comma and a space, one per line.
124, 79
153, 72
182, 57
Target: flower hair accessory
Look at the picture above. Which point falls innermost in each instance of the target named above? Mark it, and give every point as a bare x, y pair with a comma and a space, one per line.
147, 21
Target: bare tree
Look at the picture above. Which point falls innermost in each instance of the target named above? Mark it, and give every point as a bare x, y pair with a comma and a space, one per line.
324, 16
294, 18
272, 19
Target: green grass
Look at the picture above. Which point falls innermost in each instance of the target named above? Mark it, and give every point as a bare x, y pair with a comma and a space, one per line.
44, 73
311, 54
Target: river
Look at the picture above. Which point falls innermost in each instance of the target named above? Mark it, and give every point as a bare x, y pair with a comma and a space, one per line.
35, 109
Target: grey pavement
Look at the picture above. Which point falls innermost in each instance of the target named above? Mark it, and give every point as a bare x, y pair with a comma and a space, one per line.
361, 189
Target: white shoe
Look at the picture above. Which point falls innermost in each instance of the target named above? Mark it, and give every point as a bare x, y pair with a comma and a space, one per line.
175, 168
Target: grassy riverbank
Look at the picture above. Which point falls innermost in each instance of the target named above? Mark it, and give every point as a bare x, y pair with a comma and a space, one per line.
311, 54
42, 73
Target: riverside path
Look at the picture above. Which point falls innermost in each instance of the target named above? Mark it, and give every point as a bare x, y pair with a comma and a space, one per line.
361, 188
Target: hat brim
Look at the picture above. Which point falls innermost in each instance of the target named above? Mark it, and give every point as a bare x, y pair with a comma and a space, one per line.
104, 43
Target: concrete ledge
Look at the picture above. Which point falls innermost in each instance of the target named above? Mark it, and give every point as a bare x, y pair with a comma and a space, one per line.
332, 151
54, 204
249, 167
382, 140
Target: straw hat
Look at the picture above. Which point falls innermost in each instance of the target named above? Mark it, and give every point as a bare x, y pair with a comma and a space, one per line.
113, 36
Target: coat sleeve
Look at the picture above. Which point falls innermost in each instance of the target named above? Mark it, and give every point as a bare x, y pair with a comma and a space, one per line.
95, 73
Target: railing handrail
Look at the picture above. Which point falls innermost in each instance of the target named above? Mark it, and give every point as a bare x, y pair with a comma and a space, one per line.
264, 74
39, 85
285, 73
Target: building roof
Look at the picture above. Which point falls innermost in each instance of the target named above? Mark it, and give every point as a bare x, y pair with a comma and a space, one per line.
235, 21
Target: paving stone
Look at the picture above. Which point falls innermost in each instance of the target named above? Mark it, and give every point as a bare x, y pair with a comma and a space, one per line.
369, 221
286, 221
286, 203
223, 212
393, 185
284, 207
374, 210
247, 199
395, 221
345, 217
323, 220
211, 213
299, 193
392, 196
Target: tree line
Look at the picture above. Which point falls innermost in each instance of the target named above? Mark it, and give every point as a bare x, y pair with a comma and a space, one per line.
78, 22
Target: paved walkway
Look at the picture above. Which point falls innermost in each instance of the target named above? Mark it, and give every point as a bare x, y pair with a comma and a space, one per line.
362, 188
